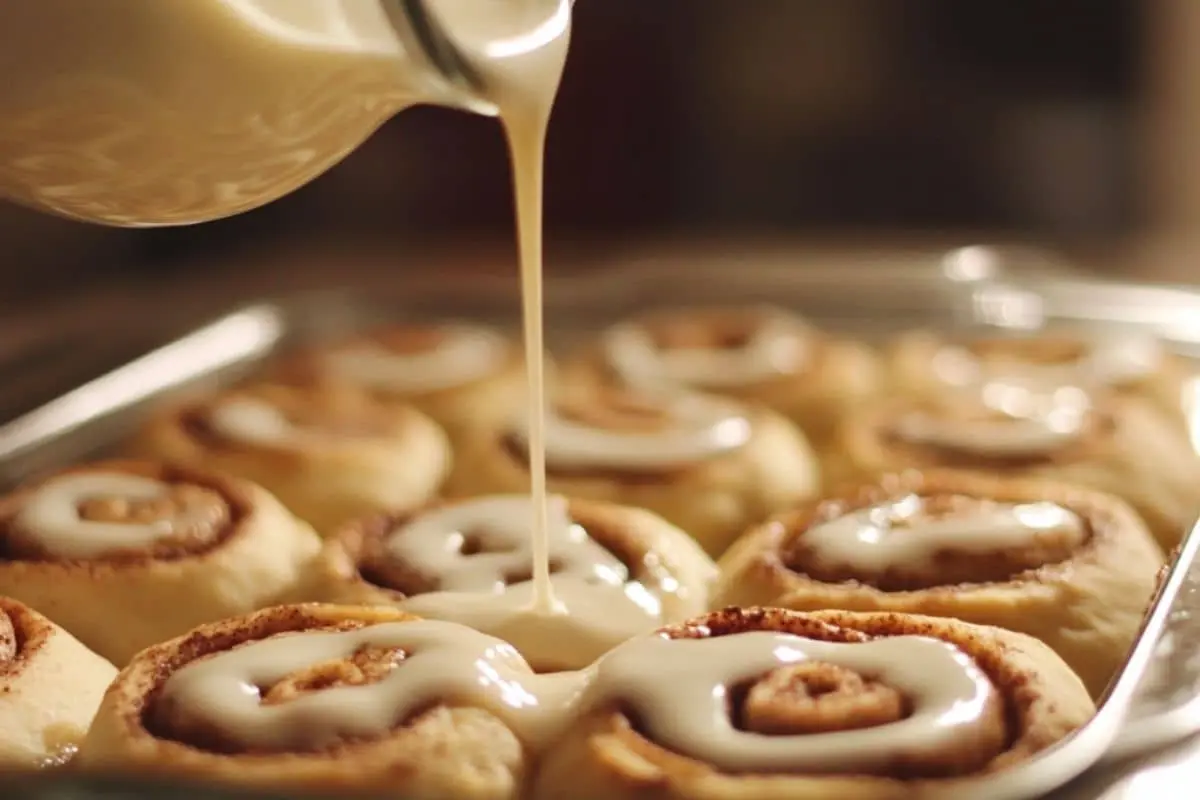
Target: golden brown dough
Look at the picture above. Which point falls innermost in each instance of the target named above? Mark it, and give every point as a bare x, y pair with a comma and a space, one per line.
359, 566
607, 754
330, 455
50, 688
709, 465
461, 375
926, 364
443, 751
1071, 567
1121, 446
124, 554
765, 356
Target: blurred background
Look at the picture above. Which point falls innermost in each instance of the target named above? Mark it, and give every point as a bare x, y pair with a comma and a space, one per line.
1074, 123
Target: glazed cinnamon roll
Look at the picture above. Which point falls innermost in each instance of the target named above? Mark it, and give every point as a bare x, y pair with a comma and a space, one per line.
461, 375
774, 703
312, 698
925, 364
330, 455
709, 465
50, 688
1071, 567
1121, 446
124, 554
617, 572
761, 355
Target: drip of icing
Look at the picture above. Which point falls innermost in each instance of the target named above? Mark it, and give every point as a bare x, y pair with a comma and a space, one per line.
601, 607
778, 346
465, 354
678, 688
897, 533
699, 428
51, 515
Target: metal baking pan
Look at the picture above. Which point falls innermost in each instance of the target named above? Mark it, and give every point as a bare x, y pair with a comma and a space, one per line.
1154, 702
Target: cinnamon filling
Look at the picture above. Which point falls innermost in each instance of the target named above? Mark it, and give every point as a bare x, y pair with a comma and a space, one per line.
195, 518
366, 666
948, 565
812, 697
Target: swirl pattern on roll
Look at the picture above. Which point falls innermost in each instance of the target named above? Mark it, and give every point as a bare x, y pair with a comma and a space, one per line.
624, 431
708, 351
416, 360
329, 453
1088, 359
1071, 567
127, 553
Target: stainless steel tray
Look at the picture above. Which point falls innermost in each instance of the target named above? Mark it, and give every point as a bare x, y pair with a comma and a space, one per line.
1156, 699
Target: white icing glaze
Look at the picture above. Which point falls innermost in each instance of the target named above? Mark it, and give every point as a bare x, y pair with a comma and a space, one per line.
433, 543
467, 353
591, 618
1108, 360
255, 421
678, 688
898, 533
1010, 436
699, 428
599, 605
778, 346
51, 515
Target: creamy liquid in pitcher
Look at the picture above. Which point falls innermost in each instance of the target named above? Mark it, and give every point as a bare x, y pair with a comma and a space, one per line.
522, 76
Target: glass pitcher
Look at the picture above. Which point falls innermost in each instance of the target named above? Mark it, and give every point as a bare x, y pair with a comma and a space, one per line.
171, 112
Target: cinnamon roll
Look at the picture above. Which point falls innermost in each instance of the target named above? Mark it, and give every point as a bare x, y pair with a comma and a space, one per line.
1071, 567
761, 355
1121, 446
616, 571
709, 465
461, 375
314, 698
330, 455
925, 364
124, 554
775, 703
50, 688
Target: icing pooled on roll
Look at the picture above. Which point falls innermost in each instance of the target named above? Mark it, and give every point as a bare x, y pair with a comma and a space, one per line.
647, 431
94, 514
448, 356
766, 346
902, 532
479, 556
